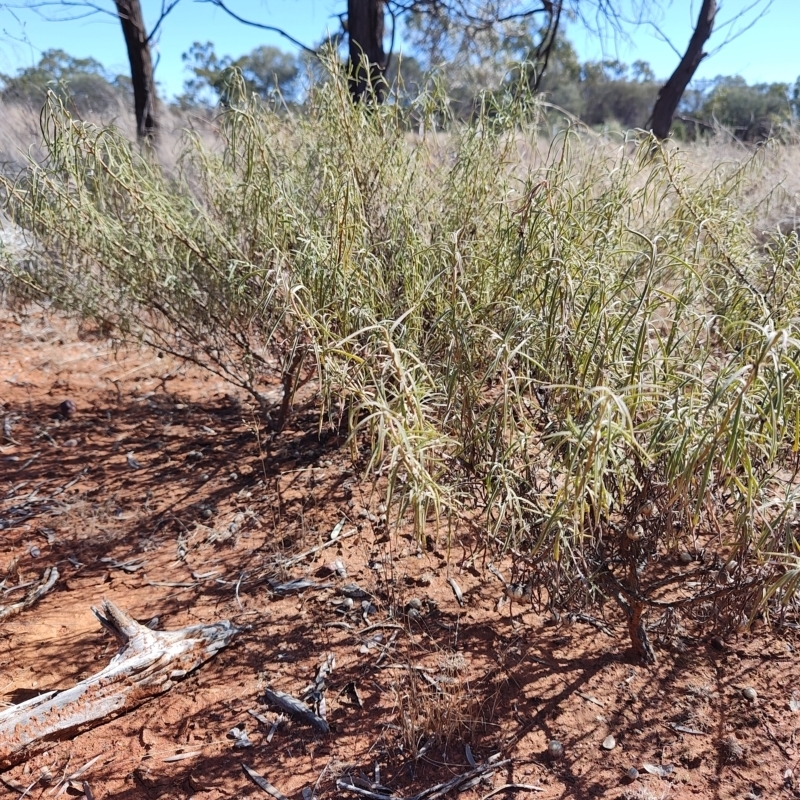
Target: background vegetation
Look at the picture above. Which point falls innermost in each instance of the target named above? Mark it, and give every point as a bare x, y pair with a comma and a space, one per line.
604, 95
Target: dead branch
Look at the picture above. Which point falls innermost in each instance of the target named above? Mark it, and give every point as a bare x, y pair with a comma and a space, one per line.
36, 592
147, 665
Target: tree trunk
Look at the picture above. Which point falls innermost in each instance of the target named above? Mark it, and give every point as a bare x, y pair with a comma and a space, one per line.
144, 87
368, 59
672, 91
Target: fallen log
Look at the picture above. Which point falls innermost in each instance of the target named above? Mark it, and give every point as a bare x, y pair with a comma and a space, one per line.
148, 664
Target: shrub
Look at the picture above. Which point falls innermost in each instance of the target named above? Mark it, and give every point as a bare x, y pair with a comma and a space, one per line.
585, 355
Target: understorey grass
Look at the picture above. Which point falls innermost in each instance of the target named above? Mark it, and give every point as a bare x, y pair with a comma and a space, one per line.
584, 350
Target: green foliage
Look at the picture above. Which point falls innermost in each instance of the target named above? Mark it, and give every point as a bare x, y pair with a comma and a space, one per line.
266, 70
82, 81
586, 357
750, 112
600, 92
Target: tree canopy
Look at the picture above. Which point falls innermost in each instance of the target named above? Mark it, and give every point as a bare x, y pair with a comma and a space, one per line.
83, 81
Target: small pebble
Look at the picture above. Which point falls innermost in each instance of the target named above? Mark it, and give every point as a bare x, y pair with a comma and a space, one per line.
206, 513
71, 443
35, 552
632, 773
609, 743
555, 749
337, 567
636, 533
749, 693
414, 602
686, 558
67, 409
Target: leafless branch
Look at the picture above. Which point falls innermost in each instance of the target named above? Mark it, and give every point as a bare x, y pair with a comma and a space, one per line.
273, 29
88, 9
166, 7
732, 34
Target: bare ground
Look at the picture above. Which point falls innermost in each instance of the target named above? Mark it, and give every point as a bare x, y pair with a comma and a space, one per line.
163, 493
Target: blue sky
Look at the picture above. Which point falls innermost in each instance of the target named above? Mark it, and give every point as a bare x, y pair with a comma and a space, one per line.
766, 52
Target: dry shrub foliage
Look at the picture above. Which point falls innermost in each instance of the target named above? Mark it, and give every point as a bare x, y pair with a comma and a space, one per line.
586, 352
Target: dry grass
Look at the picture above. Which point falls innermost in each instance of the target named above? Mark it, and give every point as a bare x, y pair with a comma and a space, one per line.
21, 134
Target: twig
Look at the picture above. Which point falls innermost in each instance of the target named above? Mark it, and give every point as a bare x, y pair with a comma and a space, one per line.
439, 789
456, 591
378, 625
291, 705
351, 787
263, 783
43, 586
298, 558
443, 788
523, 787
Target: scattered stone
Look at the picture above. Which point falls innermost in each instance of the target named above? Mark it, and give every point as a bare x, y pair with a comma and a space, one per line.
609, 743
70, 443
67, 409
662, 770
555, 750
749, 693
636, 533
337, 568
367, 608
686, 558
240, 737
632, 774
345, 605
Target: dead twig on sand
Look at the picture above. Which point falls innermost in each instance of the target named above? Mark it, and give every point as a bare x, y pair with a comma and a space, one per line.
432, 792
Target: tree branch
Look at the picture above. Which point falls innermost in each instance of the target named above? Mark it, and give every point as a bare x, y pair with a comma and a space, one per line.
230, 12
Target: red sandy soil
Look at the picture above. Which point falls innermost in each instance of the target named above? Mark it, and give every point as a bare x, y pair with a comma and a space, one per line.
208, 518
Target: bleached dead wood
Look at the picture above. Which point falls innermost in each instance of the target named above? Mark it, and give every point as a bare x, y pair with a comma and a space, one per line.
37, 590
148, 664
